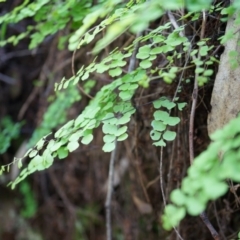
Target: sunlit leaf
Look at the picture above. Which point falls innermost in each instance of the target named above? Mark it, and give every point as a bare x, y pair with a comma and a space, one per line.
121, 131
109, 129
122, 137
72, 146
19, 163
33, 153
108, 147
109, 138
87, 139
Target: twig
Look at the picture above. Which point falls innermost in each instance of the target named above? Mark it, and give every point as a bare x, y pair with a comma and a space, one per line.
161, 186
7, 79
210, 227
161, 176
109, 193
27, 102
61, 192
218, 222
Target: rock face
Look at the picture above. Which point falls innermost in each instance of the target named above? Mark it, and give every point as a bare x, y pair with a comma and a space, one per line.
226, 91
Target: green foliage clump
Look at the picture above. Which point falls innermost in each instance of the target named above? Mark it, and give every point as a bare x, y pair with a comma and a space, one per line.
29, 207
8, 131
162, 120
50, 17
207, 175
56, 113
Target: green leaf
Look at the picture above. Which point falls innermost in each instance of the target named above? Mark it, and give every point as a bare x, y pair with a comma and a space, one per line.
109, 129
178, 197
109, 138
108, 118
214, 189
55, 146
181, 106
124, 86
19, 163
40, 144
172, 121
114, 31
142, 55
158, 126
47, 160
169, 135
160, 143
203, 51
194, 206
87, 139
208, 73
122, 137
62, 152
172, 216
115, 72
158, 39
157, 103
72, 146
168, 104
155, 135
133, 86
108, 147
161, 116
124, 119
199, 70
145, 49
75, 136
33, 153
145, 64
121, 131
126, 95
156, 50
101, 68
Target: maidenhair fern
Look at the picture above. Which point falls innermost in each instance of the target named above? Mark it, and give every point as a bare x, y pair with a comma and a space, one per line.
207, 176
50, 16
56, 113
112, 108
162, 119
8, 131
112, 105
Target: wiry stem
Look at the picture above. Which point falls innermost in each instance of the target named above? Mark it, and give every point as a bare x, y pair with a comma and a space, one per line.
109, 193
112, 162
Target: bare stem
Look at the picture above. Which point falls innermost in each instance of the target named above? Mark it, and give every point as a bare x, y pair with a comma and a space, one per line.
109, 193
